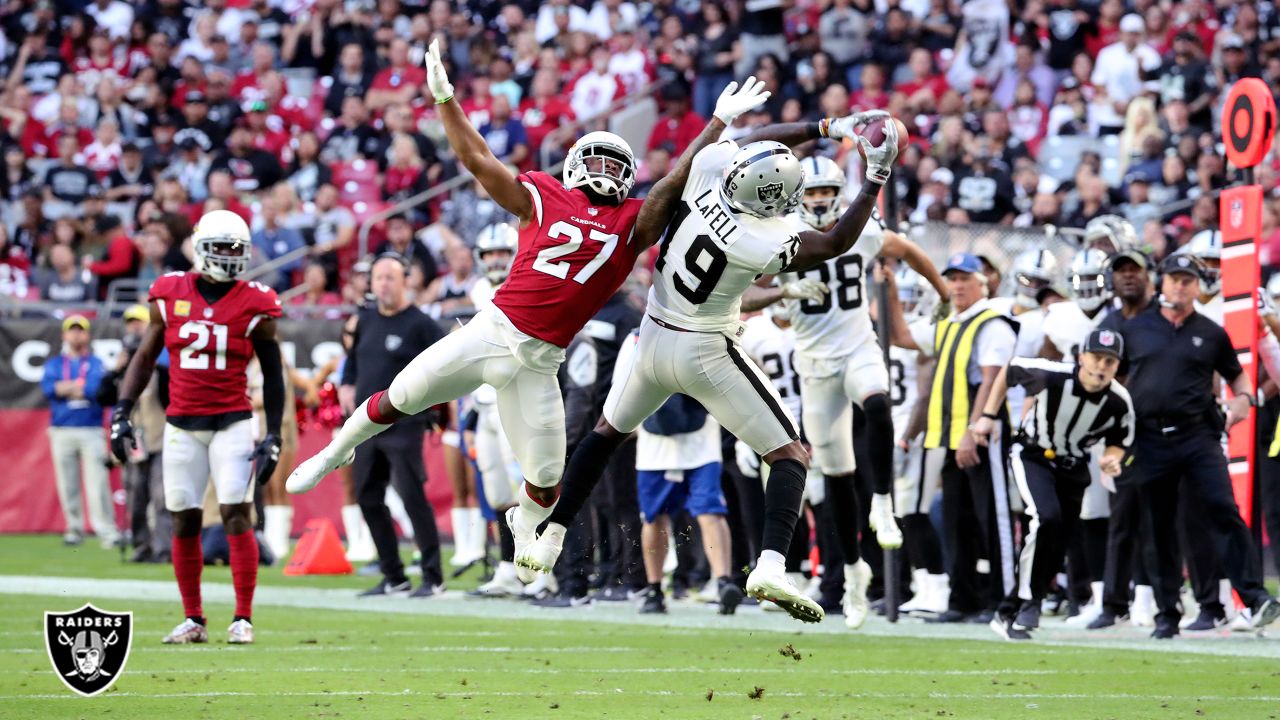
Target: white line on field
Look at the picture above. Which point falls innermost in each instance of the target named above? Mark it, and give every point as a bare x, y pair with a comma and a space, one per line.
605, 671
664, 693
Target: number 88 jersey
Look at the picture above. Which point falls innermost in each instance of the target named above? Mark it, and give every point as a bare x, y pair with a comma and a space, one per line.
209, 346
711, 254
841, 323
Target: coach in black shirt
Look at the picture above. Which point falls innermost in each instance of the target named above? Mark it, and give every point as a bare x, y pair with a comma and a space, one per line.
1173, 352
1071, 408
386, 338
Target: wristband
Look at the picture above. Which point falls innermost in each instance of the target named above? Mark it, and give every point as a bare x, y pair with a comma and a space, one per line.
1253, 401
441, 102
125, 406
821, 129
990, 416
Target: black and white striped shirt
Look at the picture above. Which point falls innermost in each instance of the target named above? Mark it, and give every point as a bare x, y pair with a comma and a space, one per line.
1064, 417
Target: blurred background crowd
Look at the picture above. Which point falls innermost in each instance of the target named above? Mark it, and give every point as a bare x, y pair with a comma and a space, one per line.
120, 123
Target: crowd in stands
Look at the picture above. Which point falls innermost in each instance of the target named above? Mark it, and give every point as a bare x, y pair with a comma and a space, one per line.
121, 123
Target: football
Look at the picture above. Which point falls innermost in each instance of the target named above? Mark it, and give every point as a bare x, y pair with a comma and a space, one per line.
874, 131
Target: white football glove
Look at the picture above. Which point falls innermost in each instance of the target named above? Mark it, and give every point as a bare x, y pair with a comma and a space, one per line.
805, 289
747, 459
942, 311
437, 78
735, 101
846, 127
1266, 304
880, 159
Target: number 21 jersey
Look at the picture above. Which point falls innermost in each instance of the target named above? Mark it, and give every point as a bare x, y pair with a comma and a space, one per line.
209, 345
711, 254
573, 256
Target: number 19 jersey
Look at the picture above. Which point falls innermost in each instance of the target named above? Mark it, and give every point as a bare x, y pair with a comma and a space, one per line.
711, 254
573, 256
209, 345
841, 322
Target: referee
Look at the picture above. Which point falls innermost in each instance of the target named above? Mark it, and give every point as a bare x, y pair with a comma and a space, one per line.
386, 338
1070, 409
1174, 352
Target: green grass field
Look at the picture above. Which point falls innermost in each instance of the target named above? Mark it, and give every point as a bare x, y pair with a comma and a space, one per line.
322, 653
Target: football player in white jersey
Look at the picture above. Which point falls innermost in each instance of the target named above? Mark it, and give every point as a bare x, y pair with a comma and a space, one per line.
1033, 271
841, 363
728, 229
499, 472
1207, 246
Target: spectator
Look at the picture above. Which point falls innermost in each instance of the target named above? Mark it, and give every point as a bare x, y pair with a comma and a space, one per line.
762, 27
316, 282
505, 135
983, 49
38, 65
1236, 63
352, 137
406, 175
925, 86
398, 120
1028, 119
64, 282
131, 180
545, 110
307, 174
984, 191
717, 50
120, 259
1068, 26
1071, 114
250, 168
68, 183
601, 17
68, 122
449, 295
1138, 208
871, 94
103, 154
630, 64
350, 79
275, 242
657, 163
1119, 73
1027, 67
196, 123
153, 249
191, 169
16, 178
33, 230
891, 43
114, 15
470, 210
593, 93
222, 191
15, 269
843, 30
1186, 78
1093, 201
398, 82
76, 439
555, 15
678, 125
335, 226
400, 240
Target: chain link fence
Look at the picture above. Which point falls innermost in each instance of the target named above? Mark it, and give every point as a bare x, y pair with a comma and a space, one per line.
1000, 244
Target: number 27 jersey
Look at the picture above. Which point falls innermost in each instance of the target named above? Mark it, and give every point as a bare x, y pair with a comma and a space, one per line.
209, 345
711, 254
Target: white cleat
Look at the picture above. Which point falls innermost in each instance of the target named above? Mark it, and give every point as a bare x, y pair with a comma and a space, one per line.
883, 523
188, 631
240, 633
522, 538
504, 583
541, 555
856, 579
772, 584
309, 474
920, 586
1142, 611
542, 587
799, 580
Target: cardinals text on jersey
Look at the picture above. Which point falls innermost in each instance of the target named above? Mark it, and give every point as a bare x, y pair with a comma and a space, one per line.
572, 257
711, 254
209, 343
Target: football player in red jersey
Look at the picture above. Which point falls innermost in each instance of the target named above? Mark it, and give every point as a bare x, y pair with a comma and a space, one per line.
211, 324
578, 241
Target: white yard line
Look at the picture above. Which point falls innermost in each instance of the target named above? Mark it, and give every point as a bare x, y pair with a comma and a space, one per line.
1054, 638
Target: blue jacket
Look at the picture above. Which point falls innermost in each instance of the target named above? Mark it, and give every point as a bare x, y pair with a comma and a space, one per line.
73, 413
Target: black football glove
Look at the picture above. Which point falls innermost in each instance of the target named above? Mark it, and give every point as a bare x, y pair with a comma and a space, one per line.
265, 458
122, 438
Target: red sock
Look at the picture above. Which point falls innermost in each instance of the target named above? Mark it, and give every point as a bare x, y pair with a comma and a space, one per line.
372, 409
244, 570
188, 562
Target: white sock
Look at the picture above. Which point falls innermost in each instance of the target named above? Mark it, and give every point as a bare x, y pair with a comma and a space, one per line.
359, 542
478, 530
461, 532
534, 513
277, 522
772, 557
354, 431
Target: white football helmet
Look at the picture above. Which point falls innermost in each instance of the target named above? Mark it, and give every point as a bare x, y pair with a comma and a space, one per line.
1207, 246
617, 172
763, 179
1088, 274
221, 245
1033, 271
1110, 234
917, 296
1273, 286
821, 172
496, 238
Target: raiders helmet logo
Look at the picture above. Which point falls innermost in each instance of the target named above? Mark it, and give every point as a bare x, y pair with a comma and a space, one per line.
88, 647
770, 193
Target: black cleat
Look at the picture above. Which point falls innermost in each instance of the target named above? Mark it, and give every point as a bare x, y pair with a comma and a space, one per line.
1028, 617
1006, 629
1265, 613
1105, 619
1165, 629
982, 618
562, 601
1207, 620
426, 590
950, 616
653, 602
730, 597
616, 593
386, 588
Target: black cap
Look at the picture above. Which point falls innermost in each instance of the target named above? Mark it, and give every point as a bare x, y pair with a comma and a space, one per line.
1134, 256
1105, 342
165, 120
1180, 263
195, 96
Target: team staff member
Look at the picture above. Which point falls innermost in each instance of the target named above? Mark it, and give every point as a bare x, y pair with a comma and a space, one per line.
1173, 354
386, 338
971, 347
1071, 409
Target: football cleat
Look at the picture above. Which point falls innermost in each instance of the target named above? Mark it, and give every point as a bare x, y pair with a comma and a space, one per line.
523, 538
1142, 612
730, 597
1007, 629
1028, 617
503, 584
653, 602
856, 579
240, 633
540, 555
309, 474
386, 589
543, 586
188, 631
883, 523
771, 583
1266, 613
